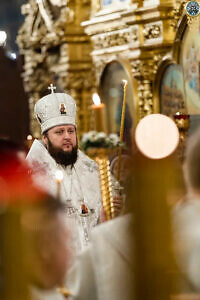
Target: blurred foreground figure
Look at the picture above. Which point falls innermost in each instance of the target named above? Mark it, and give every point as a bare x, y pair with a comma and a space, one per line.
45, 235
129, 257
154, 180
104, 270
187, 215
33, 254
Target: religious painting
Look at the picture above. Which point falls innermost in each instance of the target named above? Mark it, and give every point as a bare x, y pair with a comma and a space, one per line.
172, 91
190, 60
112, 94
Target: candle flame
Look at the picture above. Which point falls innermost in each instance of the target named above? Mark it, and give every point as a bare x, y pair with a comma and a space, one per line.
3, 37
29, 137
96, 99
124, 81
59, 175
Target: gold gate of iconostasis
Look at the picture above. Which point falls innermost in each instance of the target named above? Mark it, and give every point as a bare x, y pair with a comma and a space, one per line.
90, 46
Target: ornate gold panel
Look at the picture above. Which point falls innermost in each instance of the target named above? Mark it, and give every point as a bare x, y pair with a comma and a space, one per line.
71, 42
57, 50
142, 36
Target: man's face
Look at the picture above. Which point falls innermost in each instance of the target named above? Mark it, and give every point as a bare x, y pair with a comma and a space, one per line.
62, 137
61, 142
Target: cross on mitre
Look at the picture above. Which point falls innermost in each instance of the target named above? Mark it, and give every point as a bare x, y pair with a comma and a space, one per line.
52, 88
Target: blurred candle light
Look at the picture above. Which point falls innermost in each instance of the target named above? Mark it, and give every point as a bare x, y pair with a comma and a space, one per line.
59, 178
3, 37
99, 114
12, 55
156, 136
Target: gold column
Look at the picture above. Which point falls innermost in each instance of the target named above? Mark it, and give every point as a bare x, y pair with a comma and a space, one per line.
100, 155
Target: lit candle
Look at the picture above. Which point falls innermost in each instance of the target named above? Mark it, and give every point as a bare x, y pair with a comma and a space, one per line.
29, 141
99, 114
122, 127
3, 37
59, 178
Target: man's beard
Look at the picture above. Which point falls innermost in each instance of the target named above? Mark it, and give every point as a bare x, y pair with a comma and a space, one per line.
62, 157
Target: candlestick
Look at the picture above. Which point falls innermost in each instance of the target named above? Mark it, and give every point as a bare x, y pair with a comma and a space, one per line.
59, 178
99, 114
122, 128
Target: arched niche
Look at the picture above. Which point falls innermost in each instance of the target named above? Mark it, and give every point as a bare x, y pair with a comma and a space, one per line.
112, 94
171, 89
182, 70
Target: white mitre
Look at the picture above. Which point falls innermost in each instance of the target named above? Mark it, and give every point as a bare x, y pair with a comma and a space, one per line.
55, 109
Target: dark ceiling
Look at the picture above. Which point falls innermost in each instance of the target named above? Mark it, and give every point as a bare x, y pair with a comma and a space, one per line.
10, 20
14, 111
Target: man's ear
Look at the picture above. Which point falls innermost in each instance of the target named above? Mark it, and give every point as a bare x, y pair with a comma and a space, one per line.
45, 140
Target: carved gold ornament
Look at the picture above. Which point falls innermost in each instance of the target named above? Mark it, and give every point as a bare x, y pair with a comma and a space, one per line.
152, 32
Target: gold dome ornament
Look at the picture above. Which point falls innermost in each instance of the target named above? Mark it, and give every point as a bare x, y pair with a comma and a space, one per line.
192, 9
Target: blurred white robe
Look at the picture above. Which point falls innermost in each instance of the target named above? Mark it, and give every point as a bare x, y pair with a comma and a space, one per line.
40, 294
104, 269
186, 226
80, 184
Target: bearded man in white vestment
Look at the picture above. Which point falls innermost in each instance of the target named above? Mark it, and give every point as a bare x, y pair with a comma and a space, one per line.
58, 150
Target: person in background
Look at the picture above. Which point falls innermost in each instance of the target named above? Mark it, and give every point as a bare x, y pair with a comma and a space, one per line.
58, 150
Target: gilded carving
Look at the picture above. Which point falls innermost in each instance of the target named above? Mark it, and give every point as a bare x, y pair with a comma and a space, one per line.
146, 68
121, 37
178, 11
134, 34
152, 31
79, 80
43, 24
53, 53
145, 95
144, 71
46, 44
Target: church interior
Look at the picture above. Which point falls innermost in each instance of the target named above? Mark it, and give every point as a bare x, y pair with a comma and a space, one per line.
133, 69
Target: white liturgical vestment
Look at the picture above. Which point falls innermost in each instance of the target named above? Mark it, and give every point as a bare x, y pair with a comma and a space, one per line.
80, 185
